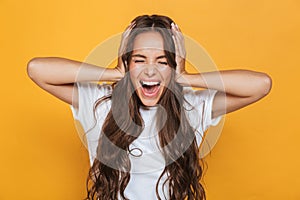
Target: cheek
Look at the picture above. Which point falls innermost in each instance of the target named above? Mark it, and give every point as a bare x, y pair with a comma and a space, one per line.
133, 73
133, 68
130, 66
167, 75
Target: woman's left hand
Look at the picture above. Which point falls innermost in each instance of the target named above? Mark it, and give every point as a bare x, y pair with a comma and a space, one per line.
180, 50
124, 40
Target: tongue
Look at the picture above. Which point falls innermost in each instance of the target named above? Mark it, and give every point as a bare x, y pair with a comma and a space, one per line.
151, 89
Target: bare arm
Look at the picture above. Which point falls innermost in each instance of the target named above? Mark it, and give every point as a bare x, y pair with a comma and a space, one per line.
236, 88
58, 75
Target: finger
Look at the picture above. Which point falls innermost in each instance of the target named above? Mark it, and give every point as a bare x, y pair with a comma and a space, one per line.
173, 28
128, 29
178, 40
179, 45
131, 24
175, 42
127, 32
177, 33
178, 27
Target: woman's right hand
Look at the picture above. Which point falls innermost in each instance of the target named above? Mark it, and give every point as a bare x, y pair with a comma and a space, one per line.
124, 40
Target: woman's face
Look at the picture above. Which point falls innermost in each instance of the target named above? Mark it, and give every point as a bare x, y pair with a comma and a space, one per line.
150, 72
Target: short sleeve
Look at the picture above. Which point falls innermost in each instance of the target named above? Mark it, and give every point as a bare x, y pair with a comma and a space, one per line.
209, 96
87, 94
199, 111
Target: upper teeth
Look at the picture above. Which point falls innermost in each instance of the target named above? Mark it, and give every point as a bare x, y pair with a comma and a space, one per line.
149, 83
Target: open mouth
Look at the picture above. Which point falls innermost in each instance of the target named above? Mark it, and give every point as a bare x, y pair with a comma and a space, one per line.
150, 88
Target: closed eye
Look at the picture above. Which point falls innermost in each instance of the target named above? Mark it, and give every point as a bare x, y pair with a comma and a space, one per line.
138, 61
164, 63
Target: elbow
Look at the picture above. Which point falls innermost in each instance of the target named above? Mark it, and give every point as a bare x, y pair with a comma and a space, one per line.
266, 84
32, 66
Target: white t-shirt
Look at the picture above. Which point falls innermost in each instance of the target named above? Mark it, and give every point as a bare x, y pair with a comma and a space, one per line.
146, 166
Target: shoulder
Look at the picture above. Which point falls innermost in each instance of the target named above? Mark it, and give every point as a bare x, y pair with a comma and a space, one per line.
88, 94
198, 107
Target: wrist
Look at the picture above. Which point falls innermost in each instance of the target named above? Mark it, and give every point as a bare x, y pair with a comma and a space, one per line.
182, 78
117, 73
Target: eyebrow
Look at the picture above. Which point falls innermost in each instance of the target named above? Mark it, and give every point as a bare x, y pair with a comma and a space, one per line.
143, 56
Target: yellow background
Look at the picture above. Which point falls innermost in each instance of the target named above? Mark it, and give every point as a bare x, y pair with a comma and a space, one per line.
257, 155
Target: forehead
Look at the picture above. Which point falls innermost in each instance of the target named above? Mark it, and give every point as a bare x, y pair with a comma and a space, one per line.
148, 42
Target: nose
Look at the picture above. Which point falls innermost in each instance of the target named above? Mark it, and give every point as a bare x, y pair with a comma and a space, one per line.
150, 70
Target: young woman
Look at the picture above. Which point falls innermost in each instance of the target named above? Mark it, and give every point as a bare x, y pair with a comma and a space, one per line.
144, 131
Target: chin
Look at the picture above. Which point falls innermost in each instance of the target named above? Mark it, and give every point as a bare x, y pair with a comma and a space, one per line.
149, 103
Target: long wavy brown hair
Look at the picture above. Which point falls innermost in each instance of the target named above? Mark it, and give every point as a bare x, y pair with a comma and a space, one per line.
124, 124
